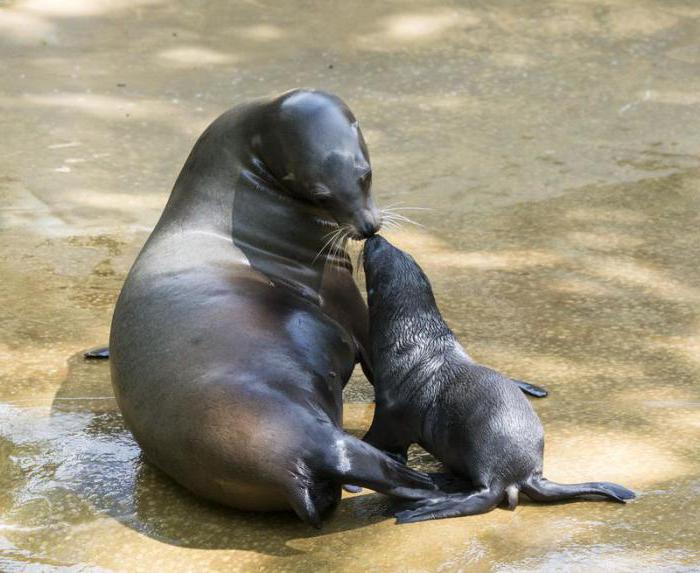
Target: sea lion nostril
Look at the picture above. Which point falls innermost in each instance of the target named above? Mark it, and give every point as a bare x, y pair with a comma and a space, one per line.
366, 229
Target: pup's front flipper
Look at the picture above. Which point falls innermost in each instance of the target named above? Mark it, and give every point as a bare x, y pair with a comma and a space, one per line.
448, 482
531, 389
457, 505
383, 435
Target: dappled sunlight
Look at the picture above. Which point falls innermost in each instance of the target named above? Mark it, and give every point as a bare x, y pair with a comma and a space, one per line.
628, 272
116, 201
564, 370
24, 28
22, 364
604, 241
580, 454
261, 32
30, 21
673, 97
434, 252
115, 108
357, 416
79, 8
411, 27
585, 287
608, 214
619, 21
633, 21
514, 60
605, 558
663, 392
22, 209
447, 102
195, 56
687, 347
418, 27
100, 105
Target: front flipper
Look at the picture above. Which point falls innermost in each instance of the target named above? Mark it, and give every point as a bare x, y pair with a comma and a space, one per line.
97, 353
531, 389
357, 463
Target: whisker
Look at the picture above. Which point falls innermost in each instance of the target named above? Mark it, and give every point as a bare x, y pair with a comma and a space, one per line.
391, 223
392, 226
401, 217
333, 230
328, 243
339, 243
390, 217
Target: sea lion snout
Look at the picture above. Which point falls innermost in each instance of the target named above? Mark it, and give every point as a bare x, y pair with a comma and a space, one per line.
370, 222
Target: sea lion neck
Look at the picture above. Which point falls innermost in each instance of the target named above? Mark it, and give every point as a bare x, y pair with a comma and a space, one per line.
282, 237
226, 188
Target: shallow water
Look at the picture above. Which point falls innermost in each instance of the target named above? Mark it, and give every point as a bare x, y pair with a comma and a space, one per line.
558, 146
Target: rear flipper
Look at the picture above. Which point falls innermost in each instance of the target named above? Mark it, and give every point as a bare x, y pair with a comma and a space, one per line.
356, 463
456, 505
312, 499
313, 494
99, 352
531, 389
540, 489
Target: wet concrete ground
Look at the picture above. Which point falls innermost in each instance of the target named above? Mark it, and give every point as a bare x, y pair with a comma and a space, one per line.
558, 146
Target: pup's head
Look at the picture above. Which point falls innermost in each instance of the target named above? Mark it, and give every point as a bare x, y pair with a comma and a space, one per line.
393, 277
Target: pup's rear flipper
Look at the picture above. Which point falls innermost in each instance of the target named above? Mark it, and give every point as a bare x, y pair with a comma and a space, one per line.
540, 489
531, 389
457, 505
356, 463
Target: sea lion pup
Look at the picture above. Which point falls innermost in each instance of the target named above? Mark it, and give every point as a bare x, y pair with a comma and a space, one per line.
429, 391
240, 322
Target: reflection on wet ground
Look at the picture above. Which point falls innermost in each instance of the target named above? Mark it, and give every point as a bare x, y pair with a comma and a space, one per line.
556, 144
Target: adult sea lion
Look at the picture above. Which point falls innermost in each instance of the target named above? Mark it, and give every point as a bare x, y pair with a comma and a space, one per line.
235, 330
430, 392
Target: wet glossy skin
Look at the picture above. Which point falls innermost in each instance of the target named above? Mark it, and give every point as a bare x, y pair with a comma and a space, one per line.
555, 143
429, 391
226, 365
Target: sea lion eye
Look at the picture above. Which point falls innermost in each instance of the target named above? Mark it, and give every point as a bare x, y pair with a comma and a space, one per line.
366, 179
321, 193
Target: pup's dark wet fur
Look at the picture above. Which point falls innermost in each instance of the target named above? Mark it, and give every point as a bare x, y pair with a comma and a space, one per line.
430, 392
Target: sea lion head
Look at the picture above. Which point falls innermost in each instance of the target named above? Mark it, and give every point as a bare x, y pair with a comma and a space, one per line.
315, 149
